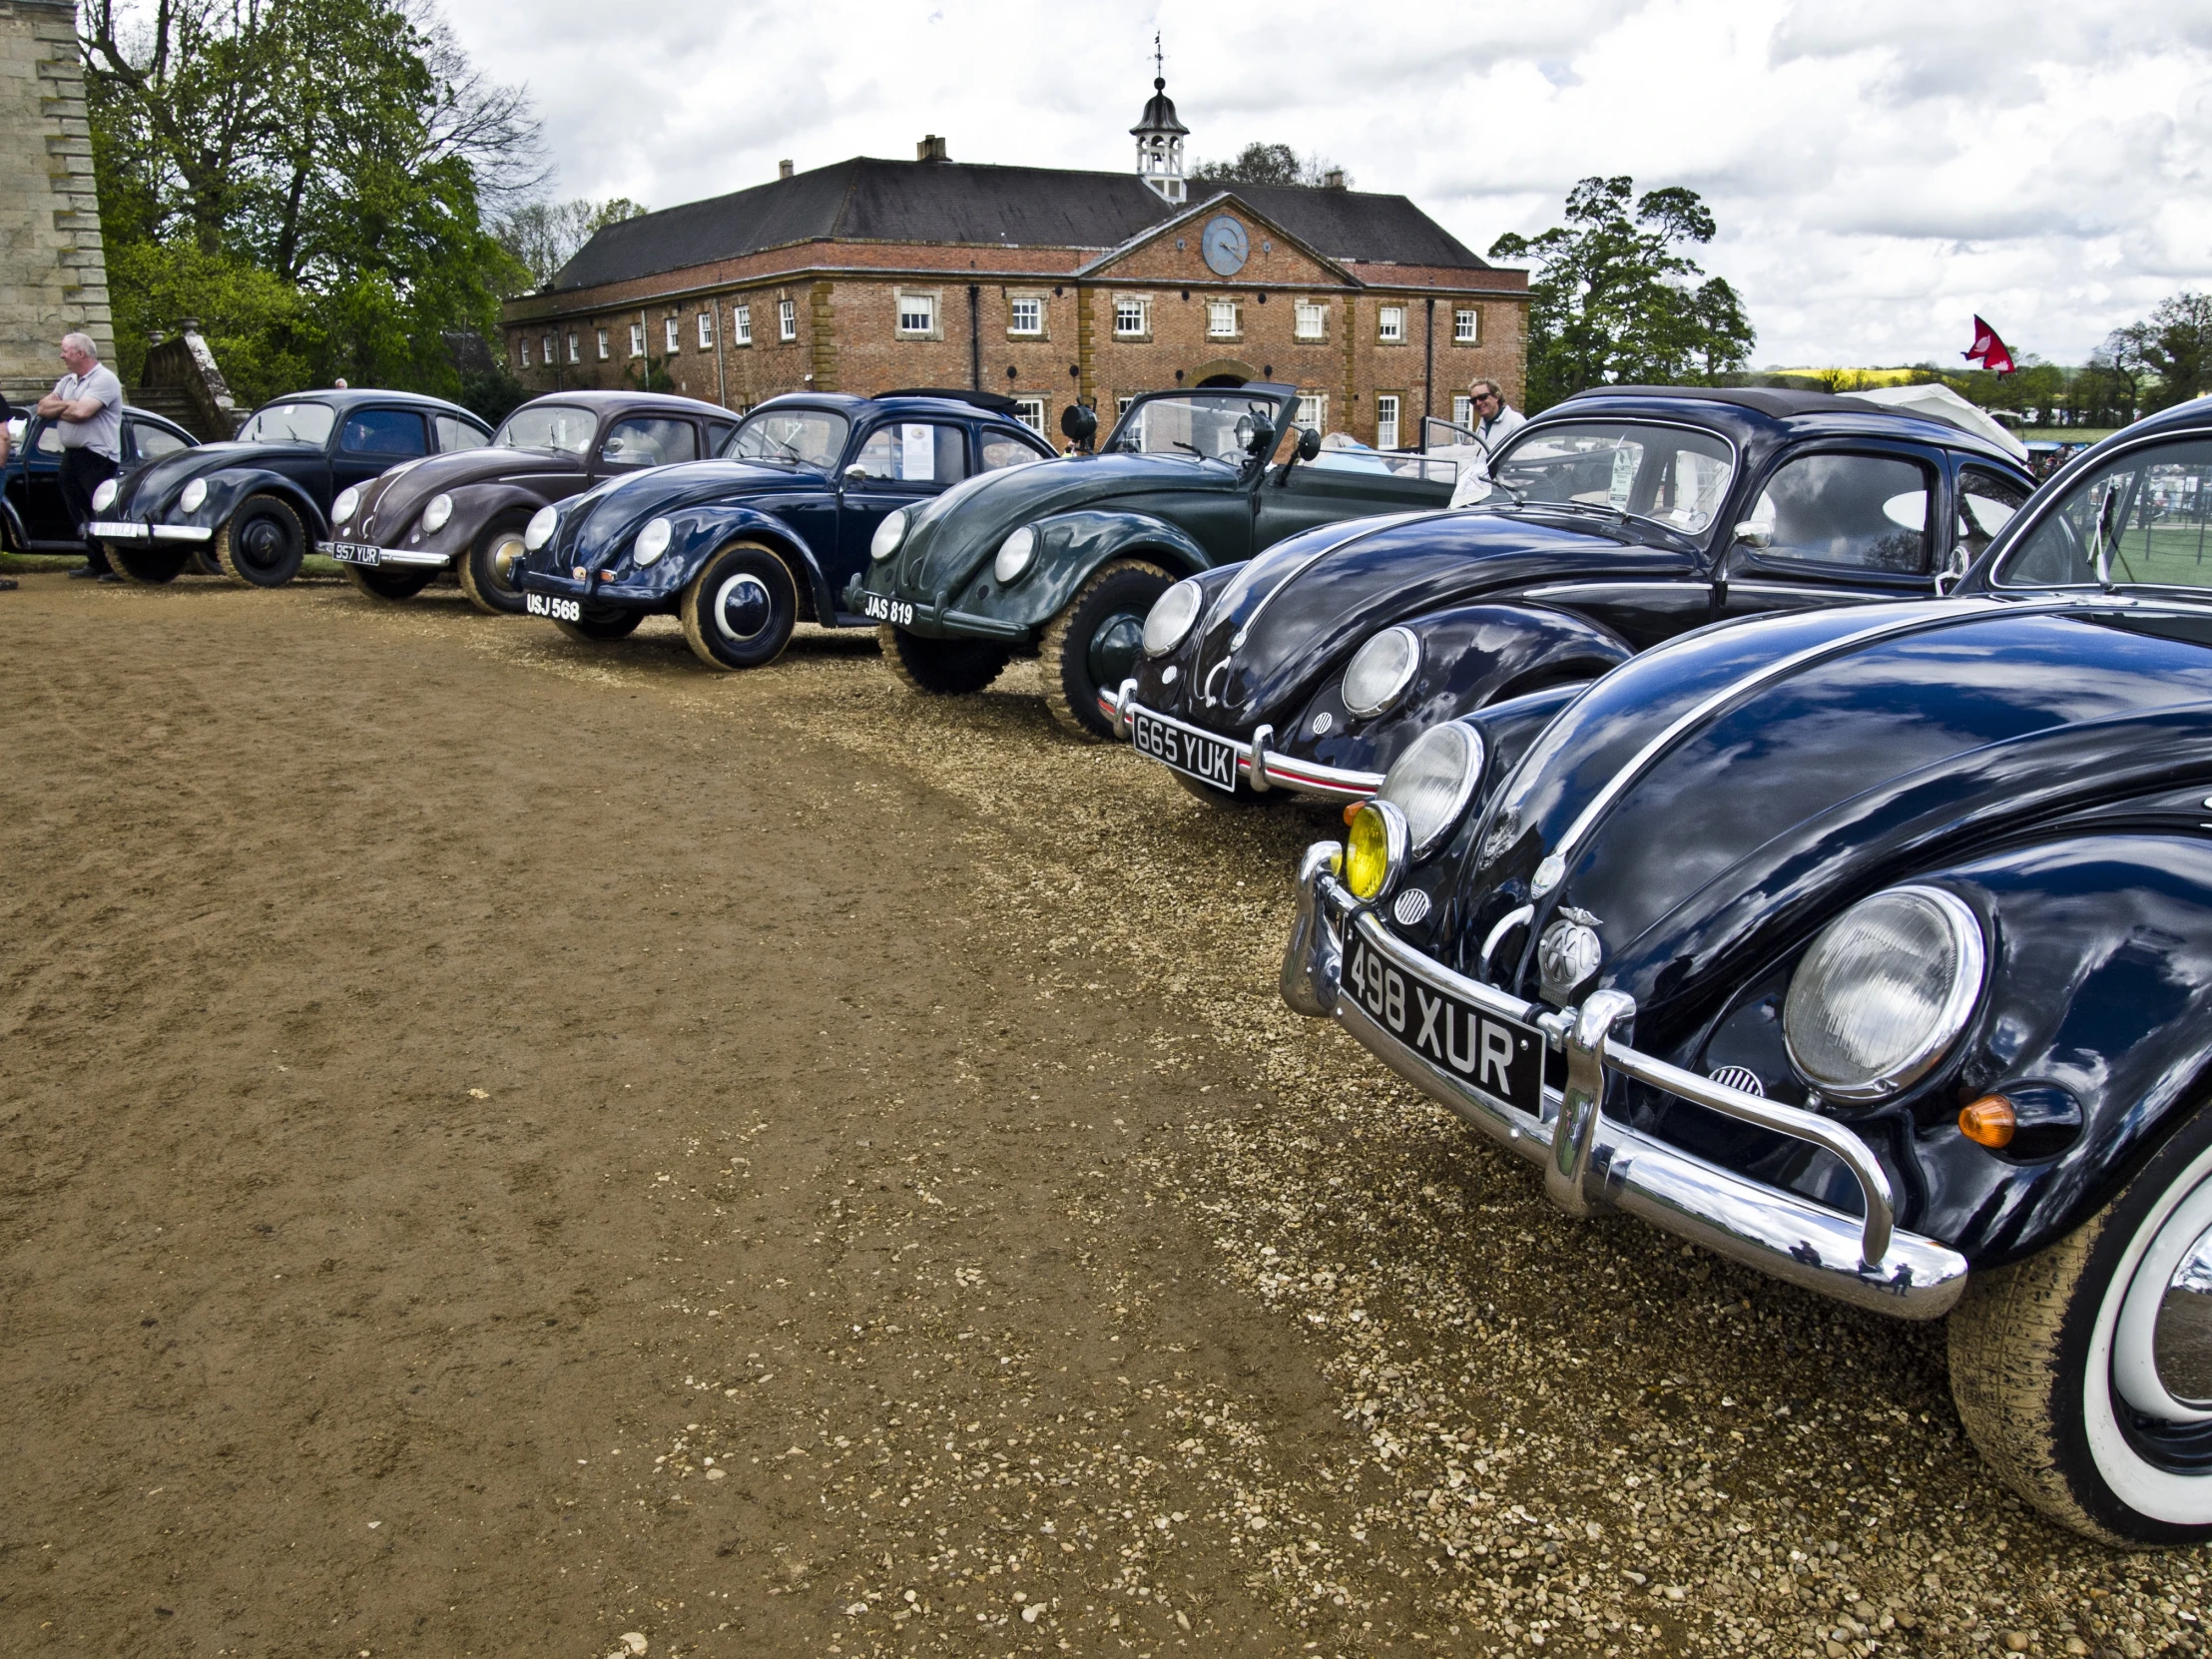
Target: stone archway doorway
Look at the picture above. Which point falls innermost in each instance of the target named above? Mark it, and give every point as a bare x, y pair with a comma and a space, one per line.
1223, 371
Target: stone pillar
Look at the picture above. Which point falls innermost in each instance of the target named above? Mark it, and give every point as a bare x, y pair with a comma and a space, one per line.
53, 272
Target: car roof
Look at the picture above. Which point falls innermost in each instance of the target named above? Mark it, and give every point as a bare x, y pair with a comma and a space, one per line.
352, 398
1746, 411
603, 400
2196, 413
970, 404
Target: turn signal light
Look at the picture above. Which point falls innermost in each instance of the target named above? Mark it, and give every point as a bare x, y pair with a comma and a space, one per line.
1351, 811
1989, 1122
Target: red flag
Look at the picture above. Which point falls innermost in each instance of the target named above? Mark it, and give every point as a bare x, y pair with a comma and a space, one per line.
1989, 351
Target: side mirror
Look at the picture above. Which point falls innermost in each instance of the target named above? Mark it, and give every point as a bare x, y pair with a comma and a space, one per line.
1308, 443
1078, 424
1751, 533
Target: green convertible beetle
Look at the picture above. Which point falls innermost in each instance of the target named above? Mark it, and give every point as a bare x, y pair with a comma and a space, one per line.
1063, 558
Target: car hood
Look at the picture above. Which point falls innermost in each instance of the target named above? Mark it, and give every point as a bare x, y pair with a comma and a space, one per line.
948, 539
1734, 786
157, 482
1303, 606
391, 501
597, 525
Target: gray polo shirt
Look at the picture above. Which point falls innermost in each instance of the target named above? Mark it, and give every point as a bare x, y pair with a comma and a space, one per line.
103, 433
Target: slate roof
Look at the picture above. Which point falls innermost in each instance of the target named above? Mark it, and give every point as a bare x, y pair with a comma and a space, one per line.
865, 199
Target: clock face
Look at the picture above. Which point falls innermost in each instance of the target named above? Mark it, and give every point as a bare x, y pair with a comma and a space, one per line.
1226, 246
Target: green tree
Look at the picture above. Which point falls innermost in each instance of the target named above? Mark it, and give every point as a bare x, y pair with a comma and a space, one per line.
2167, 357
1266, 163
1617, 300
545, 236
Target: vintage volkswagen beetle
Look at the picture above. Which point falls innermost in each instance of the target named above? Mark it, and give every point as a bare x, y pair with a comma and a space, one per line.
1872, 947
1068, 559
468, 512
33, 519
258, 503
744, 546
1617, 519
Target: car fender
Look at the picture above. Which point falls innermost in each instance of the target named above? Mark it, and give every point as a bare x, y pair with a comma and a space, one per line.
699, 531
1070, 549
228, 488
474, 506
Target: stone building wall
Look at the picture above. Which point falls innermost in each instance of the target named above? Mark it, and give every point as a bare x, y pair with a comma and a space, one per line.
53, 274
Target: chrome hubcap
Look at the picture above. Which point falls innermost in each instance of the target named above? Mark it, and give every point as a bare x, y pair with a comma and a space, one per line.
2162, 1344
743, 607
505, 554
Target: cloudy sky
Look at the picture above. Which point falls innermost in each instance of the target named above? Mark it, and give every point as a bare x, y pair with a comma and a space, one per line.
1881, 170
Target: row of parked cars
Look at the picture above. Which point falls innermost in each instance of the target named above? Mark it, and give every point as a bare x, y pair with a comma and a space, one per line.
1770, 813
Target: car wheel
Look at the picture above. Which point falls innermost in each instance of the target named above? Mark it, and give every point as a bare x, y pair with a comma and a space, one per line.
941, 668
598, 626
399, 582
151, 565
739, 611
263, 544
1097, 641
2083, 1373
487, 568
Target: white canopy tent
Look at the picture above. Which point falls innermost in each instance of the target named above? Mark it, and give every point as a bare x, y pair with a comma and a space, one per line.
1937, 401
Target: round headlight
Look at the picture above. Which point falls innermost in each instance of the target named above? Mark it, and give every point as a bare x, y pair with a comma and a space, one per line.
888, 535
652, 541
1883, 992
1433, 781
540, 529
104, 497
192, 495
436, 513
1171, 617
1374, 851
349, 499
1380, 672
1015, 554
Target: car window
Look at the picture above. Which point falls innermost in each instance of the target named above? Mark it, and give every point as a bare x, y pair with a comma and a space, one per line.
718, 435
1863, 512
1986, 503
456, 433
644, 440
154, 441
2144, 511
1676, 475
1002, 449
292, 423
382, 432
50, 440
915, 452
799, 437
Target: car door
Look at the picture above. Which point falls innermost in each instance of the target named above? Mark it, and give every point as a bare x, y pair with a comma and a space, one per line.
892, 464
1984, 501
1836, 525
370, 440
38, 489
1341, 484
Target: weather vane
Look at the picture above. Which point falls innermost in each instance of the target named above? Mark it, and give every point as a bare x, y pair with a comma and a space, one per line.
1159, 60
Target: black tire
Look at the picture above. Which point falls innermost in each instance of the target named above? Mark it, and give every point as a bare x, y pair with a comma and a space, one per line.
740, 610
399, 582
1094, 642
941, 668
601, 626
486, 570
1243, 796
263, 544
204, 560
153, 565
2040, 1361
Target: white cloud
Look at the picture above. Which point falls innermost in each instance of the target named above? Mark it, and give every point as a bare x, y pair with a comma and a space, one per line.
1881, 170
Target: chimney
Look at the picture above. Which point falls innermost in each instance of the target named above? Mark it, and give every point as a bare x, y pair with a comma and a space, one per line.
1333, 179
931, 148
783, 168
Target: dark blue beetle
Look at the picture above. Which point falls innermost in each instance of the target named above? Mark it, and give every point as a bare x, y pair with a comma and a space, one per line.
32, 517
1872, 947
744, 547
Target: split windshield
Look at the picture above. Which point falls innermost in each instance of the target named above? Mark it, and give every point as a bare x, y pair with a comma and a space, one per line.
558, 428
812, 438
290, 423
2143, 515
1216, 425
1670, 475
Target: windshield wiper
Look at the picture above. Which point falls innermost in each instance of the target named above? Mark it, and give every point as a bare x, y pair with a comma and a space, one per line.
1200, 454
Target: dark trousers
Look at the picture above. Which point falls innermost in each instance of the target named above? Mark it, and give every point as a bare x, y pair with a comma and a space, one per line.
82, 473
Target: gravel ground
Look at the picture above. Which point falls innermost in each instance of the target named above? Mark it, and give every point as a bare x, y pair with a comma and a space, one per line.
1165, 1321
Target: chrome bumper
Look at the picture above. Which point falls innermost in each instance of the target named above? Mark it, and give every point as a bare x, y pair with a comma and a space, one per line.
392, 556
1593, 1162
123, 530
1261, 767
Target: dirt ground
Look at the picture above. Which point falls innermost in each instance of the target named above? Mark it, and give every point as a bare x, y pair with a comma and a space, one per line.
515, 1148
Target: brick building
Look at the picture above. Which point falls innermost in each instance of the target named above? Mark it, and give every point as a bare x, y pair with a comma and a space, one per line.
1047, 285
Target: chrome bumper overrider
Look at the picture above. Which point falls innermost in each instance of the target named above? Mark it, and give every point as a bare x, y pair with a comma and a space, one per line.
1593, 1162
396, 556
1259, 766
123, 530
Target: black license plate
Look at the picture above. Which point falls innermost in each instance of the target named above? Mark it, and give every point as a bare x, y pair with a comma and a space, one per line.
1210, 760
560, 610
1501, 1057
900, 613
353, 553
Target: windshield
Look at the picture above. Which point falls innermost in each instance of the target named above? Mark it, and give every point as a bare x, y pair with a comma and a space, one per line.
289, 423
558, 428
797, 437
2143, 512
1668, 474
1194, 423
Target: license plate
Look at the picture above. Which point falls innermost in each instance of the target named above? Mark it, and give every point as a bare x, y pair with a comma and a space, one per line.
1194, 754
353, 553
898, 613
1501, 1057
560, 610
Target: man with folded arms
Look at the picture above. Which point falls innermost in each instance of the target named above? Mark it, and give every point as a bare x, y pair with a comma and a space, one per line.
88, 403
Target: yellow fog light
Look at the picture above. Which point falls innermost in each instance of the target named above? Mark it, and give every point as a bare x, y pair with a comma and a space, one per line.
1374, 851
